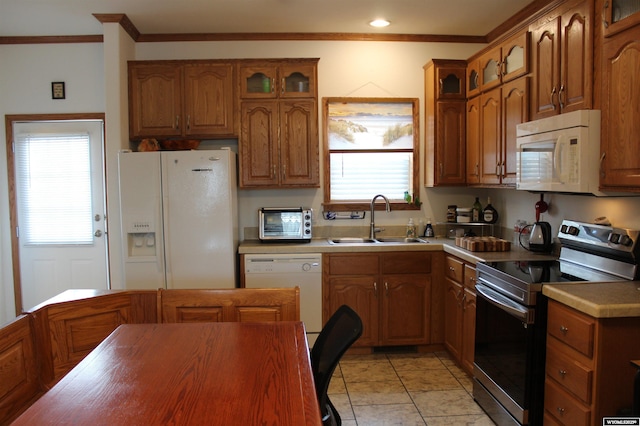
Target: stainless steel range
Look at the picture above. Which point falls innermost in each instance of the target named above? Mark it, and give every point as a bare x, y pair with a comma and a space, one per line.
511, 314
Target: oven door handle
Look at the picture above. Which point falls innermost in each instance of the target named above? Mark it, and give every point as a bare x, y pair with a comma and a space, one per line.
504, 303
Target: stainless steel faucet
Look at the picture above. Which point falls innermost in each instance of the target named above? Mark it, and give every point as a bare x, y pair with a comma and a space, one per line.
372, 233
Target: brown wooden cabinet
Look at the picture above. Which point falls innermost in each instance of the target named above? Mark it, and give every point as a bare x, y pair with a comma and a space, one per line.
588, 370
562, 60
504, 62
500, 111
460, 311
390, 291
279, 145
620, 165
445, 96
473, 140
179, 99
619, 15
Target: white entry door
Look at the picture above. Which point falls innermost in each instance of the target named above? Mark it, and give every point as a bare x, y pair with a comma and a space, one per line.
61, 207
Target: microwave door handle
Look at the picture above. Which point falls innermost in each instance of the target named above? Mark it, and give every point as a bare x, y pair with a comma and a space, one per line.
557, 157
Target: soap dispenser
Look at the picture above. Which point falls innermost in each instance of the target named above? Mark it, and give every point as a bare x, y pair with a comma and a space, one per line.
411, 229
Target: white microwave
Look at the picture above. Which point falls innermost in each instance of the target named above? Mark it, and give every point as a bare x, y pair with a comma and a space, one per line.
559, 153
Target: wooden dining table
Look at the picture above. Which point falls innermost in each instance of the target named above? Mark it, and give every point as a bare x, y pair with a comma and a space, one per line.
187, 374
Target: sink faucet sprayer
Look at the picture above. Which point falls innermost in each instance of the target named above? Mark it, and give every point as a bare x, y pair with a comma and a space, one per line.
372, 233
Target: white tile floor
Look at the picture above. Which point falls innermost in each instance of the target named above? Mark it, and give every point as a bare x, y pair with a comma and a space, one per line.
404, 389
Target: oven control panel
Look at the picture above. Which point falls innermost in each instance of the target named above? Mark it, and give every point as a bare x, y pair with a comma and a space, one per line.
588, 234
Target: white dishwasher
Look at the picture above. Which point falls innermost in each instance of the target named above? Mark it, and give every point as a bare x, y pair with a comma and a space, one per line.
303, 270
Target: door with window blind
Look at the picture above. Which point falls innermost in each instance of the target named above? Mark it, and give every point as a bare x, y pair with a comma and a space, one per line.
60, 203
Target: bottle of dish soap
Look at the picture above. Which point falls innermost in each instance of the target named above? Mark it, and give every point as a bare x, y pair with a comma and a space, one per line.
411, 229
428, 231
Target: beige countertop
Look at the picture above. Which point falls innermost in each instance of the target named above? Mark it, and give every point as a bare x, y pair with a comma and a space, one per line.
600, 300
321, 245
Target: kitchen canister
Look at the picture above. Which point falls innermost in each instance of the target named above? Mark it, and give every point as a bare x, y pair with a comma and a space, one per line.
452, 213
463, 214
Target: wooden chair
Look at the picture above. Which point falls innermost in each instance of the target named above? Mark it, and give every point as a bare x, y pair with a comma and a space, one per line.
19, 381
229, 305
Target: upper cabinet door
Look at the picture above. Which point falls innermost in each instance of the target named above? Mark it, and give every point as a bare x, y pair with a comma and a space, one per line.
473, 78
562, 62
546, 69
490, 69
620, 168
287, 79
155, 101
209, 99
619, 15
515, 57
298, 81
451, 82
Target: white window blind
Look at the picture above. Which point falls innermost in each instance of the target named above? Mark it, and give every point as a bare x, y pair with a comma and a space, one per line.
53, 176
360, 176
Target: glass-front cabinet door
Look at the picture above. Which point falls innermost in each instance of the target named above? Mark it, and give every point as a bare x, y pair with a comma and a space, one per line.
278, 81
258, 81
297, 81
620, 15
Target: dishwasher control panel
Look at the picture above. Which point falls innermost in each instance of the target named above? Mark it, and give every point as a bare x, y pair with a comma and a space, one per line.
278, 264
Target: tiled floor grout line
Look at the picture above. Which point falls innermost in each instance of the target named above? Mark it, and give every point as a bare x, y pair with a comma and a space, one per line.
457, 381
405, 389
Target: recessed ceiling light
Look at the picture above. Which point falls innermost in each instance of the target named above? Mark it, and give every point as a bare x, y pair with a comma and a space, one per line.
379, 23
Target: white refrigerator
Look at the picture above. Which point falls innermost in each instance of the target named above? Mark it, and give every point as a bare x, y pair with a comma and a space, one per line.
179, 218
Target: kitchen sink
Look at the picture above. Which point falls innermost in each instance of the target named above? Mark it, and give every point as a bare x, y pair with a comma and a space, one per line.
402, 240
350, 240
396, 240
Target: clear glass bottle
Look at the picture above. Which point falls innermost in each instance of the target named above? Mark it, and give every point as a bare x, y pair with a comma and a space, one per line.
411, 228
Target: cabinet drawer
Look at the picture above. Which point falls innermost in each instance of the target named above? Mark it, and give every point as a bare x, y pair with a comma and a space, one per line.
454, 269
564, 407
571, 328
470, 277
406, 263
570, 374
353, 264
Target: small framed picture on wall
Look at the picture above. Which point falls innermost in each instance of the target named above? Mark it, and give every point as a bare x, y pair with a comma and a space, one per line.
57, 90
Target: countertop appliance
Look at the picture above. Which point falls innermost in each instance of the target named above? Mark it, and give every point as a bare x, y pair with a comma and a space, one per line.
540, 240
559, 153
303, 270
285, 224
509, 365
179, 219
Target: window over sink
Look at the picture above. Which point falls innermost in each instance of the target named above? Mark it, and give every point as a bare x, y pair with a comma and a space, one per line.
371, 147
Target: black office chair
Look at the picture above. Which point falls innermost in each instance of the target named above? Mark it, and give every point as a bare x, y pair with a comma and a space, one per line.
343, 328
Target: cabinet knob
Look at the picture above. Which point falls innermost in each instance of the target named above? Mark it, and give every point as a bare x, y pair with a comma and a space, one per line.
563, 329
562, 373
560, 410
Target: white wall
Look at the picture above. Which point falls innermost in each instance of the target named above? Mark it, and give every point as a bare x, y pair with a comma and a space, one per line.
356, 69
363, 69
26, 73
